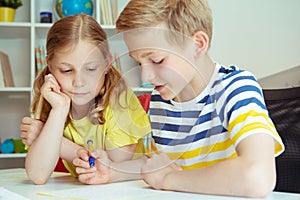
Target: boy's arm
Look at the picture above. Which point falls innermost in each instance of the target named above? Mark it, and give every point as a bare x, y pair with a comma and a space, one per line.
251, 174
122, 166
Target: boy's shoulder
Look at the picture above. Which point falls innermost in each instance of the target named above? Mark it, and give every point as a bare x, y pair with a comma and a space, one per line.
234, 73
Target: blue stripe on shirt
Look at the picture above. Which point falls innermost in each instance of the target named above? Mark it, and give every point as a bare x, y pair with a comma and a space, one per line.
190, 138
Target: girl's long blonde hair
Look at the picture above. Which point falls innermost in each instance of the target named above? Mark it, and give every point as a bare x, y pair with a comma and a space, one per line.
69, 31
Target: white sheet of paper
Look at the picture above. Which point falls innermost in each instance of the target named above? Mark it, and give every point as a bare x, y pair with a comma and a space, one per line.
113, 191
8, 195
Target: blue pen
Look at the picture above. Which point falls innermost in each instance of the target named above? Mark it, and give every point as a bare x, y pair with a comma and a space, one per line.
90, 149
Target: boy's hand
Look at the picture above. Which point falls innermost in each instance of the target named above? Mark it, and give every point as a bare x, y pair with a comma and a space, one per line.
157, 168
98, 174
30, 129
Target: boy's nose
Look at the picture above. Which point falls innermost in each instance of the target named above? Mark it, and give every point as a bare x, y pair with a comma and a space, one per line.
147, 73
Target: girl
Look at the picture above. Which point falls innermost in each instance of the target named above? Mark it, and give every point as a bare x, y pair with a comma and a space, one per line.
85, 99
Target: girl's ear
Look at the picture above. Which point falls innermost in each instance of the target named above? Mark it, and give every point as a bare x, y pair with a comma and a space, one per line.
108, 61
201, 40
48, 64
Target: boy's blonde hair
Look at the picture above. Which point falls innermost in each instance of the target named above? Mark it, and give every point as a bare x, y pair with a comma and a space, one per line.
183, 16
69, 31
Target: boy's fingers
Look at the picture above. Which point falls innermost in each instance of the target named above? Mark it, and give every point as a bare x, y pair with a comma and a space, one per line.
98, 153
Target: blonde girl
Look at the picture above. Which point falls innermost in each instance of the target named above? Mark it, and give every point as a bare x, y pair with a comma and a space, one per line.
85, 98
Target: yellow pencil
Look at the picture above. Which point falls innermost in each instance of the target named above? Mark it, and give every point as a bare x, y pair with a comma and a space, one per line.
39, 108
90, 149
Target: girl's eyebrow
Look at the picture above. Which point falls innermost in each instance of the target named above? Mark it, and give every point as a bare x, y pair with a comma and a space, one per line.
64, 63
90, 62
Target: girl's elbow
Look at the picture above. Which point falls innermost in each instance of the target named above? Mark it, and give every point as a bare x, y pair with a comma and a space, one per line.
39, 181
36, 178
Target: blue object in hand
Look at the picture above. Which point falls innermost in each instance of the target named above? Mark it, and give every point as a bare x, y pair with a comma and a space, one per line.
92, 161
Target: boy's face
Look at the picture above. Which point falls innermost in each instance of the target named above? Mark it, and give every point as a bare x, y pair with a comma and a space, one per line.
169, 68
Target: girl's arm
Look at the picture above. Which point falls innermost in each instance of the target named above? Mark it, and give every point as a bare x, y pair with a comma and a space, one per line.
44, 151
251, 174
43, 154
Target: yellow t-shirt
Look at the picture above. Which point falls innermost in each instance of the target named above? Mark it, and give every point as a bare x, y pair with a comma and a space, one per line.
123, 126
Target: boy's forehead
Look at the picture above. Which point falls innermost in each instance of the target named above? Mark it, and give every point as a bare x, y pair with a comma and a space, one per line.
137, 39
151, 38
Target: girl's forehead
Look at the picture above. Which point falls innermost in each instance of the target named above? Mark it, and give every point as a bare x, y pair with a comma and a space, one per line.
79, 51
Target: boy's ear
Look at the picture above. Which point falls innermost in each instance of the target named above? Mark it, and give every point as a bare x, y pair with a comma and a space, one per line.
201, 40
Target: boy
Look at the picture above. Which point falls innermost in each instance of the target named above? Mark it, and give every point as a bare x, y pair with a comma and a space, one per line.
210, 120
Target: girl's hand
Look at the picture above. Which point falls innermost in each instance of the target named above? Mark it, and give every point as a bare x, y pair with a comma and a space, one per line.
30, 130
51, 91
157, 168
98, 174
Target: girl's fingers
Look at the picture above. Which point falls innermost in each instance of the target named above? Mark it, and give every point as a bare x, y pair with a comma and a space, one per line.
83, 154
51, 83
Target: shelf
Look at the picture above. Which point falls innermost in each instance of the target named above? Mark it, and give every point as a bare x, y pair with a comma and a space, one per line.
15, 89
15, 24
12, 155
142, 89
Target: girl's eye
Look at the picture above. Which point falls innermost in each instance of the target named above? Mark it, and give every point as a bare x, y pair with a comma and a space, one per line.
66, 70
91, 69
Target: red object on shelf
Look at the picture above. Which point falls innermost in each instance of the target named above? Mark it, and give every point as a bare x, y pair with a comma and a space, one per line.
145, 101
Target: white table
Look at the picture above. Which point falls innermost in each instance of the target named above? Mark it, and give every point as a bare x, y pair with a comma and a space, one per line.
15, 185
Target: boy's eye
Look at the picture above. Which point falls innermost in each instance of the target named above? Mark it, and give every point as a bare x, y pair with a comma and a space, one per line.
158, 61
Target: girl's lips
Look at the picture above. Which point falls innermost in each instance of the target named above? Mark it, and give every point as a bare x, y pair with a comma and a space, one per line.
79, 93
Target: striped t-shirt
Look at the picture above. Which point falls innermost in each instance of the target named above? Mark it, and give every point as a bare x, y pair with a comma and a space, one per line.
206, 130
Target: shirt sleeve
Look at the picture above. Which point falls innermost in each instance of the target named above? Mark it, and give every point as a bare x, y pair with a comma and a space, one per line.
247, 113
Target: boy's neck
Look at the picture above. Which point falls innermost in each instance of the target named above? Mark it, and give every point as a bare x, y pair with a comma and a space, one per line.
205, 69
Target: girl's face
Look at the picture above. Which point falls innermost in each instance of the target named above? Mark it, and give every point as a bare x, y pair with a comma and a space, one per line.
79, 71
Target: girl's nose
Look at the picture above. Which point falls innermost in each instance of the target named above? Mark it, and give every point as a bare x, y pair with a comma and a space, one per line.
147, 72
78, 80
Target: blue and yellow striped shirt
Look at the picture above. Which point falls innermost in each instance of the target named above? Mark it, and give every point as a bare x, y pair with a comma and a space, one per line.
206, 130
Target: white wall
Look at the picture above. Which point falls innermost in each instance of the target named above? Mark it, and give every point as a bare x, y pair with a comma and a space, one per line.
262, 36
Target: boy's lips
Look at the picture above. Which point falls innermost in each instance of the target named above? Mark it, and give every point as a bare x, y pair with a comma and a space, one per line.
159, 87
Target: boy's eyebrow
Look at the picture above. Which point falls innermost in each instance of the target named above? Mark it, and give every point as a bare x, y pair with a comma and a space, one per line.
142, 55
146, 54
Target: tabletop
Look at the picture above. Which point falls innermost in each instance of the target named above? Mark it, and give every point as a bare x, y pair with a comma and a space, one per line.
14, 185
